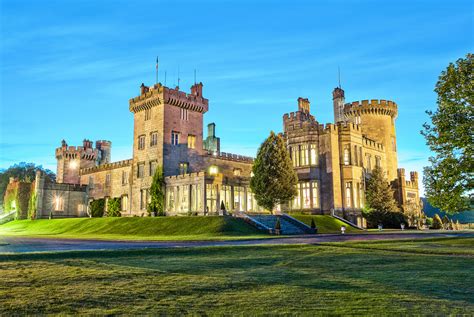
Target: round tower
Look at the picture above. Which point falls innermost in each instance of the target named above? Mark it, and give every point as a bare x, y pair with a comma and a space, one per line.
70, 159
338, 104
377, 121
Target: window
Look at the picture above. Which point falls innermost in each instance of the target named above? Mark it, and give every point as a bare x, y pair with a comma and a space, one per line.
58, 203
184, 207
377, 161
147, 114
369, 162
124, 177
315, 197
306, 195
107, 180
91, 182
196, 200
174, 138
184, 114
153, 166
170, 199
361, 195
313, 153
297, 200
347, 155
183, 168
296, 156
237, 172
211, 196
143, 198
124, 203
141, 170
191, 141
361, 158
141, 142
154, 139
213, 170
348, 194
356, 158
356, 192
239, 198
304, 155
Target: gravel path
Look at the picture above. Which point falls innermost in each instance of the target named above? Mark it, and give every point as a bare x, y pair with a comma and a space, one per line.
10, 244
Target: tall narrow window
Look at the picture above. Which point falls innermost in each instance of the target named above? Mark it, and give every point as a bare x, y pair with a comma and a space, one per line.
107, 180
356, 153
174, 138
296, 156
348, 194
58, 203
184, 114
124, 203
369, 162
313, 153
361, 159
304, 155
306, 195
297, 200
124, 177
154, 139
142, 198
361, 195
183, 168
170, 198
153, 166
347, 155
315, 192
141, 170
191, 141
141, 142
147, 114
377, 161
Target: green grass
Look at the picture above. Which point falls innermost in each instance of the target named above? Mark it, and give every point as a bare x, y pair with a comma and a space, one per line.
135, 228
263, 280
326, 224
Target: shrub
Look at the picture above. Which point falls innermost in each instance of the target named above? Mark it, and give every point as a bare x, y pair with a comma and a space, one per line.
223, 205
437, 223
387, 219
97, 207
313, 224
446, 222
113, 207
429, 221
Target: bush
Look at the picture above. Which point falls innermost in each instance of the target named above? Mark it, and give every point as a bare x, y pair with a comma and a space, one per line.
97, 207
429, 221
437, 223
313, 224
387, 219
113, 207
446, 222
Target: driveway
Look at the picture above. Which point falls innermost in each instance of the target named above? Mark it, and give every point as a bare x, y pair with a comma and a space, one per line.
28, 244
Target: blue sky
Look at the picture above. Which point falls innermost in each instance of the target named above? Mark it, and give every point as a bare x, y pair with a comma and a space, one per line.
68, 68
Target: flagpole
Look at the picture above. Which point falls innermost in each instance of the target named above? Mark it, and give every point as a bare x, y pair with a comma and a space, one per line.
157, 69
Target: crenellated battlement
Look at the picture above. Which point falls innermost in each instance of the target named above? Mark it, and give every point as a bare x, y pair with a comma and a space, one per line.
372, 144
374, 106
412, 183
158, 94
77, 152
231, 157
104, 167
184, 176
348, 126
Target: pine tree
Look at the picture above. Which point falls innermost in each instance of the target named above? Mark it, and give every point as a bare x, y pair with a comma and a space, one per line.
274, 180
446, 222
157, 193
379, 194
449, 179
437, 223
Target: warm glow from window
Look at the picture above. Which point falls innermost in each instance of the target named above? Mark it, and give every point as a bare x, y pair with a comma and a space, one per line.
73, 164
213, 170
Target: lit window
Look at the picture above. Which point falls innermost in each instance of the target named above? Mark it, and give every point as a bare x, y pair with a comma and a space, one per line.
295, 156
170, 199
154, 139
184, 114
213, 170
58, 203
141, 170
297, 200
147, 114
315, 198
313, 153
143, 198
306, 195
183, 168
304, 155
174, 138
348, 194
141, 142
124, 203
237, 172
191, 141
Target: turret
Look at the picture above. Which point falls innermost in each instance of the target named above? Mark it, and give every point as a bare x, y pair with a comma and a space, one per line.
303, 105
104, 149
338, 104
70, 159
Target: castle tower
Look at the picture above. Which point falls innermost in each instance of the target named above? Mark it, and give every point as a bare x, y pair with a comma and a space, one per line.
104, 149
377, 121
70, 159
167, 132
338, 104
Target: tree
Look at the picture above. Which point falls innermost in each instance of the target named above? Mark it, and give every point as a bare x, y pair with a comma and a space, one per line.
379, 194
274, 179
157, 193
449, 178
313, 224
24, 172
437, 223
446, 222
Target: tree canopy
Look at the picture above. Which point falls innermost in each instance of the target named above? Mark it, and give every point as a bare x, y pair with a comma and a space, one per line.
274, 179
24, 172
157, 193
450, 179
379, 194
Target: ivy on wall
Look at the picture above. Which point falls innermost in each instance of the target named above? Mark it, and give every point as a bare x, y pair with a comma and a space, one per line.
17, 198
97, 207
113, 207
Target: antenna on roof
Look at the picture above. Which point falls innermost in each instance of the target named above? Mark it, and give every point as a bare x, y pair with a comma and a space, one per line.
178, 78
339, 76
157, 70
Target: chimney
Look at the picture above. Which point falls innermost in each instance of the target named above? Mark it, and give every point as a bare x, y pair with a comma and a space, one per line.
303, 105
196, 90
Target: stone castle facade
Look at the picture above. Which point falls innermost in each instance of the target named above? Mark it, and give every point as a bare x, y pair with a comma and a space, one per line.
332, 161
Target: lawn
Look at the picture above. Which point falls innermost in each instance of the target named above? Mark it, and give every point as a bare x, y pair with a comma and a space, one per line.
263, 280
326, 224
136, 228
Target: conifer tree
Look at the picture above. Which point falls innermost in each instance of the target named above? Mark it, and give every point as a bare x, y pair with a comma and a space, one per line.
379, 194
437, 223
157, 193
274, 179
446, 222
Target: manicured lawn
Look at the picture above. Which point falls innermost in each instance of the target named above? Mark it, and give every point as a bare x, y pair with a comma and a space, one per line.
265, 280
136, 228
326, 224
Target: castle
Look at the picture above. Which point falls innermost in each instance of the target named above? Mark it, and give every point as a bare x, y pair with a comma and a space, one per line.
332, 161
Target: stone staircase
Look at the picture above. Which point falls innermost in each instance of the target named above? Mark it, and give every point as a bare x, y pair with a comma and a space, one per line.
289, 225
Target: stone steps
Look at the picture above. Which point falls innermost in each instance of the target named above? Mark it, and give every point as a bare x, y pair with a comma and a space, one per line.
288, 225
